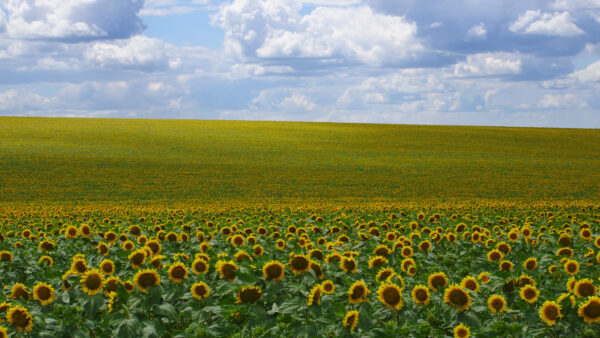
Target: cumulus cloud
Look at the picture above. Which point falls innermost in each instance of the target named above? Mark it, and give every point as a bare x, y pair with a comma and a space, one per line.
275, 29
138, 52
536, 22
560, 101
17, 101
71, 20
489, 64
591, 73
477, 31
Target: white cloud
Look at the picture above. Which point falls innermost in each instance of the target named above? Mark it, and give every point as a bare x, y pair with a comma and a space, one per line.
14, 101
48, 63
591, 73
575, 4
297, 101
477, 31
138, 52
275, 29
489, 64
71, 20
560, 101
534, 22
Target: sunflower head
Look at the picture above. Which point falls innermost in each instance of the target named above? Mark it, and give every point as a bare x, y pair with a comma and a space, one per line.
457, 297
348, 264
314, 298
79, 266
529, 293
377, 261
19, 291
590, 310
437, 281
385, 273
530, 264
227, 269
505, 265
390, 295
585, 288
497, 303
461, 331
484, 277
199, 266
248, 294
20, 318
571, 267
107, 267
92, 282
146, 278
470, 283
420, 294
328, 287
177, 272
350, 320
550, 312
6, 256
137, 258
299, 263
358, 292
200, 290
43, 293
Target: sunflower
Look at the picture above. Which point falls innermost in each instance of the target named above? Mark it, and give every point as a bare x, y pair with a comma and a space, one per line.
137, 258
496, 303
128, 245
350, 320
92, 282
111, 284
385, 273
103, 249
571, 267
377, 261
470, 283
146, 278
412, 270
382, 250
79, 266
242, 255
71, 232
248, 294
199, 266
504, 247
273, 270
3, 333
406, 263
6, 256
437, 281
299, 264
458, 297
550, 312
348, 264
529, 294
19, 291
461, 331
484, 277
227, 269
200, 290
407, 251
567, 252
177, 272
328, 287
390, 295
425, 246
420, 294
358, 292
333, 257
590, 310
128, 285
505, 265
4, 306
20, 318
585, 234
530, 264
107, 267
315, 295
46, 259
43, 293
585, 288
316, 268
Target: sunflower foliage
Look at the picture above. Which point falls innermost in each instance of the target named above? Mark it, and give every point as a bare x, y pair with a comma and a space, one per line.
492, 269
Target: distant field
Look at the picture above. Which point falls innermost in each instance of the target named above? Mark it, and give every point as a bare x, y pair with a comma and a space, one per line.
52, 160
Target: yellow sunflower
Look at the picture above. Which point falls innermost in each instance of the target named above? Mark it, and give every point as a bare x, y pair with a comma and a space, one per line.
437, 281
529, 294
43, 293
348, 264
585, 288
177, 272
496, 303
47, 260
457, 297
530, 264
550, 312
137, 258
484, 277
420, 294
505, 265
328, 287
19, 291
470, 283
299, 264
358, 292
79, 266
590, 310
314, 298
200, 290
227, 269
199, 266
6, 256
377, 261
571, 267
390, 295
20, 318
248, 294
385, 273
107, 267
146, 278
462, 331
350, 320
92, 282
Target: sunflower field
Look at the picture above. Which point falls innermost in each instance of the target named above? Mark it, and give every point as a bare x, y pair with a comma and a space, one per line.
486, 270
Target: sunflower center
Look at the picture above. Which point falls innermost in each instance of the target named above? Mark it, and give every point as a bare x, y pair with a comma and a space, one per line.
586, 289
461, 332
327, 287
229, 271
421, 295
178, 272
358, 292
385, 275
249, 295
530, 293
138, 258
505, 266
80, 266
571, 267
438, 281
300, 263
200, 290
349, 264
592, 310
43, 293
497, 304
147, 279
93, 281
391, 296
530, 265
107, 268
471, 285
458, 297
199, 266
273, 271
551, 312
20, 319
5, 257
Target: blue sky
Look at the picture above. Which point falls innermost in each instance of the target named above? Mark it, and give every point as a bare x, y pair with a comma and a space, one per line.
465, 62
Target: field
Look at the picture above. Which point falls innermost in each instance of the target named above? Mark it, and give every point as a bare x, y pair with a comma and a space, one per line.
162, 228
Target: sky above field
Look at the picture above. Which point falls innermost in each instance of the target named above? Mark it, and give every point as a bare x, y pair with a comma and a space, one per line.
466, 62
